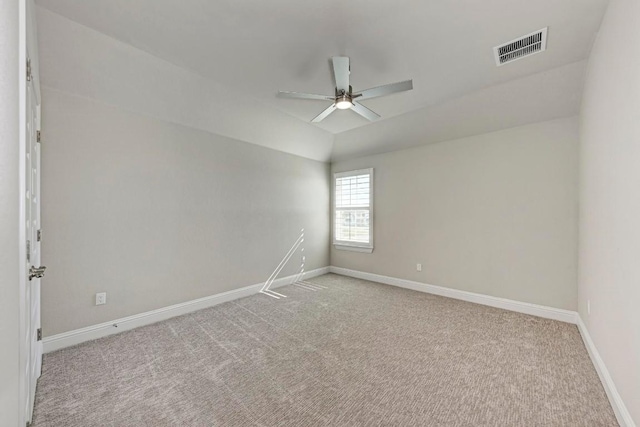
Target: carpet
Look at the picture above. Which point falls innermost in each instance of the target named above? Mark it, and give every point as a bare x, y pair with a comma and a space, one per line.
357, 353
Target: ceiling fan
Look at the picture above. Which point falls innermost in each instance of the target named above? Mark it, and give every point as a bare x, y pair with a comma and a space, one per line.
344, 97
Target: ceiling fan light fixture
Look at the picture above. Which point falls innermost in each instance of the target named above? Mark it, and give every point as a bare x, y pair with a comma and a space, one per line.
343, 102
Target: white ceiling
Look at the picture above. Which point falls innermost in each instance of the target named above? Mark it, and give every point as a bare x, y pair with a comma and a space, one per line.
81, 61
539, 97
258, 47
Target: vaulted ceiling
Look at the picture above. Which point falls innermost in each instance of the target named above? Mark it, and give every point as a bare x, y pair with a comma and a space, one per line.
255, 48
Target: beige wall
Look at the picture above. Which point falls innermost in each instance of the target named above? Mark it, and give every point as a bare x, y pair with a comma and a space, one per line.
9, 214
494, 214
609, 261
155, 213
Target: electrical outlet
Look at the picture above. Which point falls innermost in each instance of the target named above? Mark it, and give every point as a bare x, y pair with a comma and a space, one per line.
589, 307
101, 298
418, 267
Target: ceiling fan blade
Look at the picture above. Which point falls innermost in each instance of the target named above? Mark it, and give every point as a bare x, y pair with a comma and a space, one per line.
298, 95
365, 112
341, 72
320, 117
375, 92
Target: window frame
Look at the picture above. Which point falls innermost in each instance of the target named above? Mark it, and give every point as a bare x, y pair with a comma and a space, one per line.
345, 244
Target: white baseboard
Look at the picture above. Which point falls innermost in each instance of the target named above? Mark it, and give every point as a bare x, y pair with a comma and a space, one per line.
507, 304
619, 408
67, 339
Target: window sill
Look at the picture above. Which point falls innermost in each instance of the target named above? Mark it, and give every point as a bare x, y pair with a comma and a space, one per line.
342, 247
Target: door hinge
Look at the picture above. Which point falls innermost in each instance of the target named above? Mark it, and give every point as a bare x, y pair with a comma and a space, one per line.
39, 334
39, 235
28, 251
37, 136
28, 69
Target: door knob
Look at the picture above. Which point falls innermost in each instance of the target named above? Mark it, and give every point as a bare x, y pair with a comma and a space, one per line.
36, 272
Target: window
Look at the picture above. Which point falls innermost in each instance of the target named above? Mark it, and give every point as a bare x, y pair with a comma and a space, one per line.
353, 210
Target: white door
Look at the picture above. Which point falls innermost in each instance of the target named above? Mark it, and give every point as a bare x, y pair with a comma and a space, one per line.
33, 343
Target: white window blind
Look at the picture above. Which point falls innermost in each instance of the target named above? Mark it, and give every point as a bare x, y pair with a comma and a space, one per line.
353, 209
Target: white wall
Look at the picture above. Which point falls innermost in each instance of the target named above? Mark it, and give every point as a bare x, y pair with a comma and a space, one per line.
609, 257
150, 193
9, 215
494, 214
155, 213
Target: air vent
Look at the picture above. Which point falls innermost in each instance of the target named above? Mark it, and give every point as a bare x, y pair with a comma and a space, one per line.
528, 45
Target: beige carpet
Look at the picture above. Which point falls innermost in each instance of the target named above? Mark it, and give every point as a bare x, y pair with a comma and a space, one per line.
355, 354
